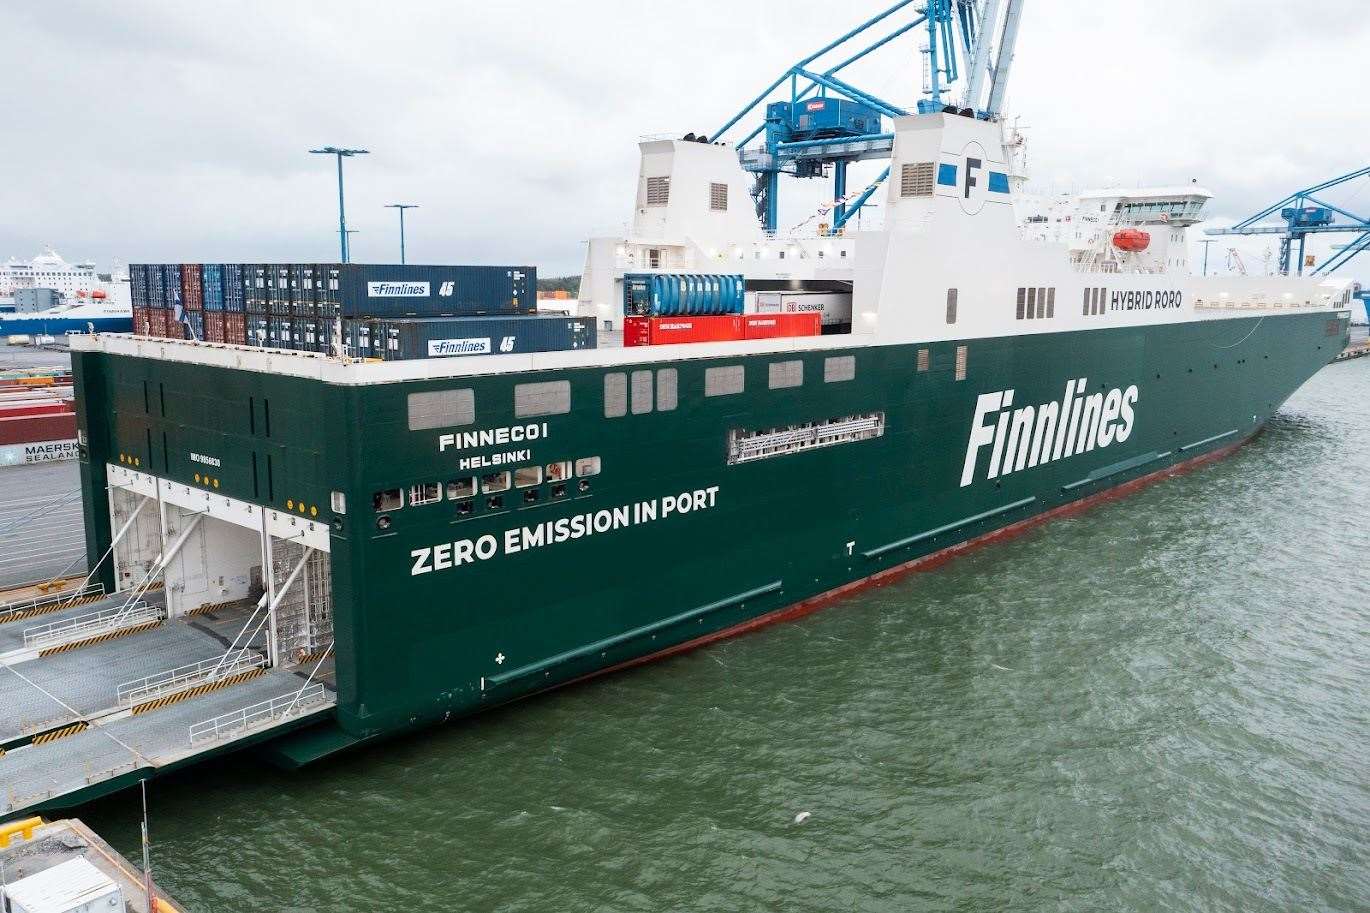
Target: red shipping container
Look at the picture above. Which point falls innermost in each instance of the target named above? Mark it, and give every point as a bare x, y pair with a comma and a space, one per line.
775, 326
57, 407
192, 287
28, 429
142, 324
235, 328
157, 322
214, 326
658, 331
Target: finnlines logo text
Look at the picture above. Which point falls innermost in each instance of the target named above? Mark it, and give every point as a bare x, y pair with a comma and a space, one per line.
1035, 435
397, 289
447, 555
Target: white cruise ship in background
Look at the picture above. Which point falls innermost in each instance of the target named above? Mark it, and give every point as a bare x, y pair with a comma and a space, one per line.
81, 300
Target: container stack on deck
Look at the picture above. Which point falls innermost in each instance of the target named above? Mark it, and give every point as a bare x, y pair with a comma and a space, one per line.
665, 308
384, 312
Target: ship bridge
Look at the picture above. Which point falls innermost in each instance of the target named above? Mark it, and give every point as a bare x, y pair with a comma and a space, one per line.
218, 634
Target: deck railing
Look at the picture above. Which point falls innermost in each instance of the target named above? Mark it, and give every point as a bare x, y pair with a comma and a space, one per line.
24, 607
172, 681
260, 714
93, 624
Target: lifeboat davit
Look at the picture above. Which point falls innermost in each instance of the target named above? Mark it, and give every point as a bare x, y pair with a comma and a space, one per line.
98, 294
1131, 239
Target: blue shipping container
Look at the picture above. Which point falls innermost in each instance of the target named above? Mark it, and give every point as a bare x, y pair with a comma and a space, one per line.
679, 295
233, 274
375, 290
212, 280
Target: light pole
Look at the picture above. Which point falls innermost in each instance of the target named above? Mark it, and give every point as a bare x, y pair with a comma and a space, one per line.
342, 219
401, 207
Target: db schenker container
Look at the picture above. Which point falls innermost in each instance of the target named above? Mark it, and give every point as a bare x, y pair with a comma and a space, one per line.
441, 337
682, 294
392, 291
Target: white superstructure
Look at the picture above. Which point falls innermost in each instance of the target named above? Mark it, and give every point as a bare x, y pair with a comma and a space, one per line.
47, 270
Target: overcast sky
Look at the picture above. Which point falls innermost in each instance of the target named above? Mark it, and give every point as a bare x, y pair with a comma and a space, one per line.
178, 131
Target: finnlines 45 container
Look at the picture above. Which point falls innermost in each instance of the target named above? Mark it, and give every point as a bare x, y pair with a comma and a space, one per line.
684, 294
443, 337
370, 290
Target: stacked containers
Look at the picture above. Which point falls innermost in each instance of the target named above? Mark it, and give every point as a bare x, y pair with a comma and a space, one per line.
235, 328
233, 274
212, 283
214, 326
192, 290
254, 288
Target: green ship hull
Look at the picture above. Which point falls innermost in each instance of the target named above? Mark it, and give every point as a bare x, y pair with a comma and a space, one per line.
708, 514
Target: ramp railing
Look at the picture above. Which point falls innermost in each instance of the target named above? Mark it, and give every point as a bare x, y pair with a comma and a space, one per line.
22, 608
93, 624
257, 715
173, 681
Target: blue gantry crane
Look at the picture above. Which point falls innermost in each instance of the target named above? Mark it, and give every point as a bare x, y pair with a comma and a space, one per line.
1303, 213
827, 123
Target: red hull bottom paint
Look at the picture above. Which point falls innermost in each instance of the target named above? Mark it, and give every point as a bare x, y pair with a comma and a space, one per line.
934, 560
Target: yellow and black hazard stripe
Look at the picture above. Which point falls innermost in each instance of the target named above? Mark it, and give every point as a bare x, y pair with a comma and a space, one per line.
101, 638
196, 691
207, 608
301, 657
154, 585
62, 733
48, 609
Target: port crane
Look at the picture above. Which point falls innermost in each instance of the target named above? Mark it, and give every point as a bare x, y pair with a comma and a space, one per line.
827, 123
1303, 213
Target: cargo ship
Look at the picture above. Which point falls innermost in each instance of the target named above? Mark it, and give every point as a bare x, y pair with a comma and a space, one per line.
386, 545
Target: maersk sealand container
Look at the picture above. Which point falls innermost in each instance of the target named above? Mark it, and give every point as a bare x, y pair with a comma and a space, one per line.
375, 290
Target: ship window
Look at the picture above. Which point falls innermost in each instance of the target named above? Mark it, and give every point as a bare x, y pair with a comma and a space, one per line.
924, 359
961, 355
654, 258
527, 476
1051, 302
658, 191
615, 395
441, 409
915, 179
551, 397
786, 374
387, 500
587, 466
642, 392
951, 305
1086, 307
461, 488
1032, 304
667, 385
1022, 303
718, 197
339, 502
495, 481
559, 471
724, 381
424, 493
839, 368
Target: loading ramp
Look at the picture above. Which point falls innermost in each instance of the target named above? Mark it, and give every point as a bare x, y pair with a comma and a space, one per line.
220, 635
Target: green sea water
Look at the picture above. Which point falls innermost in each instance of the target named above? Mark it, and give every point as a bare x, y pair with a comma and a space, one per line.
1160, 704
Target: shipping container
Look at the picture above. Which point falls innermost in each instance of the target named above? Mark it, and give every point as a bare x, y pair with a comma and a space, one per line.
156, 294
171, 286
141, 324
441, 337
214, 326
257, 329
196, 321
235, 328
157, 322
25, 429
233, 278
656, 331
255, 275
212, 284
773, 326
192, 289
835, 307
137, 285
682, 294
278, 289
372, 290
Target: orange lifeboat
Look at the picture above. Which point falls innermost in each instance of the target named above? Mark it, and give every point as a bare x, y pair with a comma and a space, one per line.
98, 294
1131, 239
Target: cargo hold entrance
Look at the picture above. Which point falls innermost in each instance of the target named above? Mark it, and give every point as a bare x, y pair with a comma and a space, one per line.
220, 633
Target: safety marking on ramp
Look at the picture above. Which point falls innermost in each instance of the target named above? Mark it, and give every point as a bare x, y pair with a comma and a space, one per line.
208, 608
62, 733
198, 690
101, 638
48, 609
